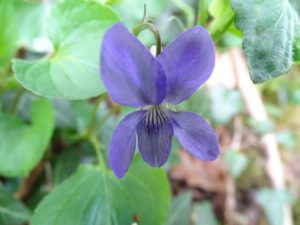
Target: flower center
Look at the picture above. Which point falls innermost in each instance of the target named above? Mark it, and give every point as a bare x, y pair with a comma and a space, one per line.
154, 118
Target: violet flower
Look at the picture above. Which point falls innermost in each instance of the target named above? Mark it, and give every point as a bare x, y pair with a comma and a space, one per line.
133, 77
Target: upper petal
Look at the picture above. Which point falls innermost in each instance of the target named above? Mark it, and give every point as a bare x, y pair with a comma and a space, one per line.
155, 134
132, 76
188, 62
123, 142
195, 135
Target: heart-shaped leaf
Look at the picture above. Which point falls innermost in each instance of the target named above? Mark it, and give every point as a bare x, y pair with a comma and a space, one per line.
75, 28
95, 197
22, 145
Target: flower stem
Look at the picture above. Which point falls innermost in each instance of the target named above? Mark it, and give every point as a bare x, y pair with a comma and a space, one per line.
146, 24
90, 133
107, 116
16, 100
93, 116
98, 149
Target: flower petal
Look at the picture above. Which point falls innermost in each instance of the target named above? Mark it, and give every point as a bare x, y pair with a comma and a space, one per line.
188, 62
123, 142
154, 140
132, 76
195, 135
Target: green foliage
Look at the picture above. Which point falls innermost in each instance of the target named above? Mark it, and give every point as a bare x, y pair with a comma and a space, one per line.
271, 36
203, 12
12, 212
296, 46
261, 126
133, 16
93, 196
29, 27
65, 165
227, 101
223, 17
199, 102
187, 11
273, 203
49, 150
296, 5
296, 97
18, 158
8, 32
236, 162
287, 139
205, 214
72, 70
181, 209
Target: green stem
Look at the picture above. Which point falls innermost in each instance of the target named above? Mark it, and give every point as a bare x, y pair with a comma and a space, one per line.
98, 149
178, 21
16, 100
107, 116
93, 116
145, 25
90, 135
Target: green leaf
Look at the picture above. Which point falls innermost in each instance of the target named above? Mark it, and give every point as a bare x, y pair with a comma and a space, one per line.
199, 102
8, 32
187, 10
131, 11
271, 40
287, 139
296, 50
236, 162
273, 202
225, 104
72, 114
23, 145
81, 111
223, 17
12, 212
296, 97
110, 2
65, 165
296, 5
261, 127
29, 26
63, 114
205, 214
181, 210
96, 197
75, 28
202, 12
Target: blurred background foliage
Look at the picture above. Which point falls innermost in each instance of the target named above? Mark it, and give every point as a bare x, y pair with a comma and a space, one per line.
258, 126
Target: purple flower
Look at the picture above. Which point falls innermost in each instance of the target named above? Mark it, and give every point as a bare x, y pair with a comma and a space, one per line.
133, 77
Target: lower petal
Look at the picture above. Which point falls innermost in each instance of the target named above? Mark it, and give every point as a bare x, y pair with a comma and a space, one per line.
123, 143
154, 139
195, 135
